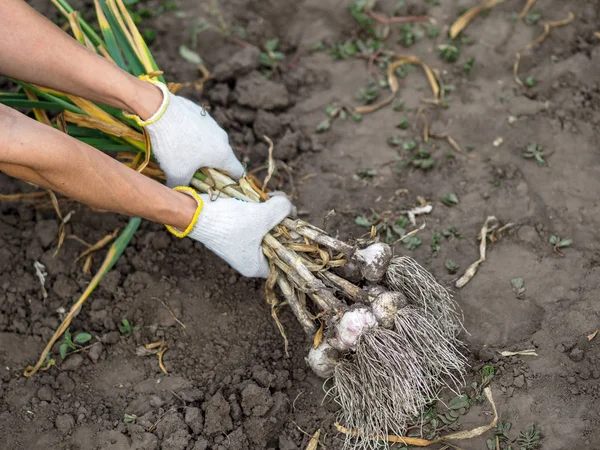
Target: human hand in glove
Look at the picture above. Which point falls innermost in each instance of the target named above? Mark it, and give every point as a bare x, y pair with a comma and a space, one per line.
234, 229
186, 138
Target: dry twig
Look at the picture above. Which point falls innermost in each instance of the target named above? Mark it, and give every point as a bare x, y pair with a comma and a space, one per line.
11, 197
461, 23
388, 20
548, 27
314, 440
490, 224
394, 85
526, 8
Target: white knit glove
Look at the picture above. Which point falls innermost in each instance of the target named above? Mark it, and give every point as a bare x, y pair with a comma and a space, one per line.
186, 138
234, 229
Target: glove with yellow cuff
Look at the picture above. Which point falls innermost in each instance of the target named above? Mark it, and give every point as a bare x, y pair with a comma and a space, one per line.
186, 138
234, 229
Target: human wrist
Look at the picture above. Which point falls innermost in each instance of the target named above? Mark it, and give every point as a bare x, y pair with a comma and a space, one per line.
143, 98
184, 208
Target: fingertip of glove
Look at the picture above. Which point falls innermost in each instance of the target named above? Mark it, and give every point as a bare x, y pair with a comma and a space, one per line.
264, 273
261, 271
280, 203
236, 170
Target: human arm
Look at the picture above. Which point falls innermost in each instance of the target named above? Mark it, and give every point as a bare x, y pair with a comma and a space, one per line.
37, 51
184, 137
42, 155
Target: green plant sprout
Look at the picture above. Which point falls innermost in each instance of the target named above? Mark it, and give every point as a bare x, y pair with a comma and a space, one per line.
73, 344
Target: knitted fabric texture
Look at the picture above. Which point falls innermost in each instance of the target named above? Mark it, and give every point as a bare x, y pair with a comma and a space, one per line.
234, 229
186, 138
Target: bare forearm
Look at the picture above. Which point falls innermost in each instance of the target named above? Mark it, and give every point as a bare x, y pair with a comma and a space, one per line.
45, 156
37, 51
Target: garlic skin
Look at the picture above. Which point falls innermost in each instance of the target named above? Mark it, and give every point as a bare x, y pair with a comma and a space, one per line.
374, 260
350, 271
386, 306
374, 291
322, 360
351, 326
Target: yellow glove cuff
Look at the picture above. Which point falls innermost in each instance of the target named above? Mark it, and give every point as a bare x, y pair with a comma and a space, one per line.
192, 193
161, 110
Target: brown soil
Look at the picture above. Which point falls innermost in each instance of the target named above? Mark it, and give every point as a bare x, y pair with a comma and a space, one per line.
230, 384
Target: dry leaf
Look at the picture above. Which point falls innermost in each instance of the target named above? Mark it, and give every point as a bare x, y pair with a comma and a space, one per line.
271, 164
490, 224
548, 26
464, 20
418, 211
11, 197
529, 352
98, 245
41, 274
527, 8
394, 85
314, 441
318, 336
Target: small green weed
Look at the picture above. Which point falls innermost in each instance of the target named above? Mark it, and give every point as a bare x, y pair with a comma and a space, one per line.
334, 112
403, 124
49, 362
533, 17
69, 343
451, 232
358, 11
518, 286
409, 145
529, 438
405, 70
369, 94
432, 31
366, 174
344, 50
450, 199
436, 238
130, 418
126, 328
423, 160
449, 52
394, 141
389, 227
535, 151
271, 57
316, 48
400, 4
530, 82
558, 243
502, 431
449, 89
412, 242
323, 126
451, 267
468, 67
399, 105
409, 35
417, 158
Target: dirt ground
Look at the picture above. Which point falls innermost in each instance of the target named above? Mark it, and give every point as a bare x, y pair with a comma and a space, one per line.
230, 384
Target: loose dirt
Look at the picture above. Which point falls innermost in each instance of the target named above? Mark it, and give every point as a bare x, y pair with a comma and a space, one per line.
230, 385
